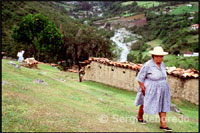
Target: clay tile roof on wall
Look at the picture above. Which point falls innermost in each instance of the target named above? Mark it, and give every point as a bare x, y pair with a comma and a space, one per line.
40, 62
53, 64
31, 61
179, 72
188, 52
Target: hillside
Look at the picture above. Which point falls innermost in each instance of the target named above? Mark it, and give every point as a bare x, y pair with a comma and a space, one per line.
14, 11
73, 48
61, 104
168, 25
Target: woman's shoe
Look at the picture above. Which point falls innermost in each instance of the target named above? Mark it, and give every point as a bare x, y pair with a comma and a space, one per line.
141, 121
166, 129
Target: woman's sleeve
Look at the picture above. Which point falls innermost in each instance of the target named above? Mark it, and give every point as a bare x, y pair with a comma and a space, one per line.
142, 74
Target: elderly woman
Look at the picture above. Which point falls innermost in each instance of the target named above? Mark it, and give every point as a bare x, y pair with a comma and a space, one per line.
154, 96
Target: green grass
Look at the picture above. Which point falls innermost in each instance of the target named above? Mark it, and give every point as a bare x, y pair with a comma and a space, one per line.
129, 39
71, 106
183, 8
148, 4
126, 3
186, 29
128, 14
192, 38
145, 4
154, 43
185, 107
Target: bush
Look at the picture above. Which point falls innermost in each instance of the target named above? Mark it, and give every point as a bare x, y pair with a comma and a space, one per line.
144, 47
131, 57
137, 45
194, 46
162, 34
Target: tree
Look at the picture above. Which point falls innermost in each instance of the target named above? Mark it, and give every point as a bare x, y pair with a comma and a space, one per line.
196, 18
41, 34
86, 42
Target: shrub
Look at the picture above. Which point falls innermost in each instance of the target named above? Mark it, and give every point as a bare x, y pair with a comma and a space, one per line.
137, 45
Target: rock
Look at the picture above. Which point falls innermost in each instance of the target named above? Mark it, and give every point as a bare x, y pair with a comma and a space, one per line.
40, 81
24, 88
175, 109
62, 80
102, 100
4, 82
42, 73
14, 64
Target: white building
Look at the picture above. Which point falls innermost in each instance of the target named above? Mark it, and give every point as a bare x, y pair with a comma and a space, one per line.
100, 15
189, 5
191, 18
194, 27
190, 54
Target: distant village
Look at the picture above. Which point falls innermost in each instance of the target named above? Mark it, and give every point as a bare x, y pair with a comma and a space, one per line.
95, 11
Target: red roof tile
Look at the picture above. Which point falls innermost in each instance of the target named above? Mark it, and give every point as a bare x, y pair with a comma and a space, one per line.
179, 72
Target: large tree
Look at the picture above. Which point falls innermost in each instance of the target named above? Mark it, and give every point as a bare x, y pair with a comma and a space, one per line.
87, 42
42, 35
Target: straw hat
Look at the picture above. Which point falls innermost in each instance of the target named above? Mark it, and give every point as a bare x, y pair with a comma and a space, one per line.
158, 51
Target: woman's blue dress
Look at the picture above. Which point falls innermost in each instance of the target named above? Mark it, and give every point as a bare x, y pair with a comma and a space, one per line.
20, 59
157, 94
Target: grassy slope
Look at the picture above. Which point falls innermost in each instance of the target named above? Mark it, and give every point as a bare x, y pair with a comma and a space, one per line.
180, 9
154, 43
146, 4
172, 59
73, 106
126, 3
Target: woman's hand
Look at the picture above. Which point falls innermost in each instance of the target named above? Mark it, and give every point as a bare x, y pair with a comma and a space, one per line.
143, 90
142, 87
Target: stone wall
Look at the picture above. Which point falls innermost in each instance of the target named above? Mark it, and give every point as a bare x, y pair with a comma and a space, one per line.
126, 79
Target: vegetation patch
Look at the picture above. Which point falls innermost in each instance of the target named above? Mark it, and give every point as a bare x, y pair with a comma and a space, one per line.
154, 43
181, 9
127, 3
148, 4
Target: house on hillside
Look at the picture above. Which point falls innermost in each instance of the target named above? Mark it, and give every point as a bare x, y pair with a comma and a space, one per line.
194, 27
189, 5
96, 9
100, 15
189, 54
190, 18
